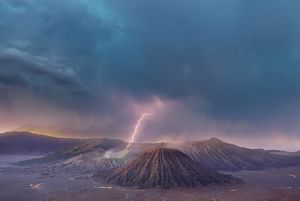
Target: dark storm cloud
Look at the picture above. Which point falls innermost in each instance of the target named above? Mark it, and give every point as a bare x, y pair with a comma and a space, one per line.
65, 36
233, 66
22, 70
241, 56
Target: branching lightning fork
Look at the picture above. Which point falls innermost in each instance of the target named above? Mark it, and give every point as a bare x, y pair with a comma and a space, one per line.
136, 129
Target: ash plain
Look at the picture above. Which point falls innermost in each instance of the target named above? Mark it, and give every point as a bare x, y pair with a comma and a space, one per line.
52, 184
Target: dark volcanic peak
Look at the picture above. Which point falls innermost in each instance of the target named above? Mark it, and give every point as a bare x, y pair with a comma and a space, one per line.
164, 168
214, 140
211, 141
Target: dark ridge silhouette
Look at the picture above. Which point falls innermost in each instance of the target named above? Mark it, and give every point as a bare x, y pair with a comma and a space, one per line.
24, 143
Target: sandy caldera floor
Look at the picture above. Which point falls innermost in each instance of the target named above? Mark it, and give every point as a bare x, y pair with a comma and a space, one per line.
271, 185
17, 184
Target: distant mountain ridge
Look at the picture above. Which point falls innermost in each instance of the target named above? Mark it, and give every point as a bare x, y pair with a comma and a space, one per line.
87, 156
25, 143
212, 153
99, 145
219, 155
164, 168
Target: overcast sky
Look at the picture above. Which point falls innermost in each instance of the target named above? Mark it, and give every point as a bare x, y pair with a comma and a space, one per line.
90, 68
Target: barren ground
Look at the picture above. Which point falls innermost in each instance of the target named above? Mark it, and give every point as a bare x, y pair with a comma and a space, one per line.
18, 184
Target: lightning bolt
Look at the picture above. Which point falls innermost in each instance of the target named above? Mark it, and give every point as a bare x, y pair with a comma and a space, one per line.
136, 129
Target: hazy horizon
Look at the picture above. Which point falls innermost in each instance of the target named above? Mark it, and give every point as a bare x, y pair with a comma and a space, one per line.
238, 142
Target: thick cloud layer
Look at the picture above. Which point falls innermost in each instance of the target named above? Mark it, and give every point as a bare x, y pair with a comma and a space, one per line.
205, 68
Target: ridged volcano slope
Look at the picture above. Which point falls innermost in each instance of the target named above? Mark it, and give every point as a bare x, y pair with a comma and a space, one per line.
219, 155
164, 168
